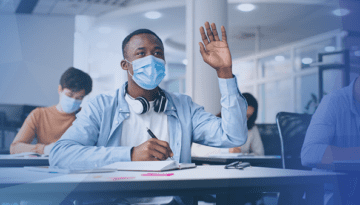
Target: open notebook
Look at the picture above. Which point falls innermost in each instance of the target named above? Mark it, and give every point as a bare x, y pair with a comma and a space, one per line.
149, 166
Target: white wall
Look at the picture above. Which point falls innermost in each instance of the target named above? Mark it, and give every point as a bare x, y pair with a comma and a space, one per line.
34, 52
99, 53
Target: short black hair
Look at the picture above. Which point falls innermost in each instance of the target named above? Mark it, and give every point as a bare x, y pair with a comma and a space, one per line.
137, 32
76, 80
251, 101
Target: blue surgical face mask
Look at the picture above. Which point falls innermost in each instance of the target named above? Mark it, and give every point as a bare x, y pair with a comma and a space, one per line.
68, 104
148, 71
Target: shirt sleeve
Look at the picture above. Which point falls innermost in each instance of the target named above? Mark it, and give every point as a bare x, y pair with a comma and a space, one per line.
228, 131
26, 134
256, 145
77, 148
320, 133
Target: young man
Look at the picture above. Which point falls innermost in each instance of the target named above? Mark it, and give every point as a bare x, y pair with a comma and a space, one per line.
48, 124
333, 133
112, 128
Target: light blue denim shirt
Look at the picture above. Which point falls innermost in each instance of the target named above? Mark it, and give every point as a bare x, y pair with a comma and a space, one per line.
336, 122
93, 139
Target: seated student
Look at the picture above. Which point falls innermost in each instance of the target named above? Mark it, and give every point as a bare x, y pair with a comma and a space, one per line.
48, 124
253, 144
112, 128
333, 133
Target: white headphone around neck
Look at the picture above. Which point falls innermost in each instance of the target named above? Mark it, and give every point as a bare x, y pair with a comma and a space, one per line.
140, 105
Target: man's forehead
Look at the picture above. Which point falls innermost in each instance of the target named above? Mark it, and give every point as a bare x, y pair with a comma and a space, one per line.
141, 39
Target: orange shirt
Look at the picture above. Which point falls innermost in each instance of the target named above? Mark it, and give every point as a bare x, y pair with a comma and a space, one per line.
46, 124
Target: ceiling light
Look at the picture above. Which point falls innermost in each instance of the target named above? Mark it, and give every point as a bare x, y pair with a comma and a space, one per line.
246, 7
185, 61
279, 58
307, 60
341, 12
329, 48
104, 30
152, 15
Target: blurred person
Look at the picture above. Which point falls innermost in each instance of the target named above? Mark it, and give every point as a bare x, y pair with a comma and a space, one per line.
333, 133
48, 124
253, 144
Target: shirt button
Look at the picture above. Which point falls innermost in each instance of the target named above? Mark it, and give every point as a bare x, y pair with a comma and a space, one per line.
127, 114
172, 108
120, 109
116, 122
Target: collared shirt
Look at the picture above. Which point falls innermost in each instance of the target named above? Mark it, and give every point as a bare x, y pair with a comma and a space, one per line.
93, 139
336, 122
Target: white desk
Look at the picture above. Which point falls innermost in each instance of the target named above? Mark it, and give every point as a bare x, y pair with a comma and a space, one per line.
18, 183
259, 161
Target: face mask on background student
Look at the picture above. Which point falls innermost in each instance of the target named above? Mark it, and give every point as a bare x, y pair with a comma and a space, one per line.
148, 71
68, 104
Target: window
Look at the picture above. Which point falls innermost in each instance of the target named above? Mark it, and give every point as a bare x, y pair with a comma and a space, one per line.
283, 79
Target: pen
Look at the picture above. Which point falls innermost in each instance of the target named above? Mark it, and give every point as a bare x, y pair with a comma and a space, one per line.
153, 136
151, 133
243, 165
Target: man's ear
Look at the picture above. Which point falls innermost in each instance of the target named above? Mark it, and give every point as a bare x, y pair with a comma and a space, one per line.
124, 65
59, 89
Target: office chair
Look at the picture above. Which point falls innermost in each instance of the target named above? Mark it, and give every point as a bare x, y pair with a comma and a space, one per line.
271, 140
11, 119
292, 129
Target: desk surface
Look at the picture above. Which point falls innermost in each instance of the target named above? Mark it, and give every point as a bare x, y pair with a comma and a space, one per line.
262, 161
24, 184
203, 177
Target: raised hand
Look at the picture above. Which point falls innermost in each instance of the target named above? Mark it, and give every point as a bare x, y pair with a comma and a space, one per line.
216, 52
151, 150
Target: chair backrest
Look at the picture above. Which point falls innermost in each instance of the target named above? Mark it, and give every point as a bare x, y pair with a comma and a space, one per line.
15, 115
2, 119
270, 138
292, 129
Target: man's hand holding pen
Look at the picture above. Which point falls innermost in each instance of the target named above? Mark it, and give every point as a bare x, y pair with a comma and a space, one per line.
151, 150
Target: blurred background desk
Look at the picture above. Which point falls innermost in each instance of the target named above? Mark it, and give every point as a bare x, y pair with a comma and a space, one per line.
22, 161
273, 161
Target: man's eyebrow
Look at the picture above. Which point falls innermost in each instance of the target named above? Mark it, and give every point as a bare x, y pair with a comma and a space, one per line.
159, 47
141, 48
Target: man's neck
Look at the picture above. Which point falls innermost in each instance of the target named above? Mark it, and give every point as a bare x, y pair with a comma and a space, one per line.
59, 108
135, 91
356, 90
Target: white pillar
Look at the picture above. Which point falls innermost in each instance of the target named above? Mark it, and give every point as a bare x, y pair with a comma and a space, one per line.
81, 44
201, 79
